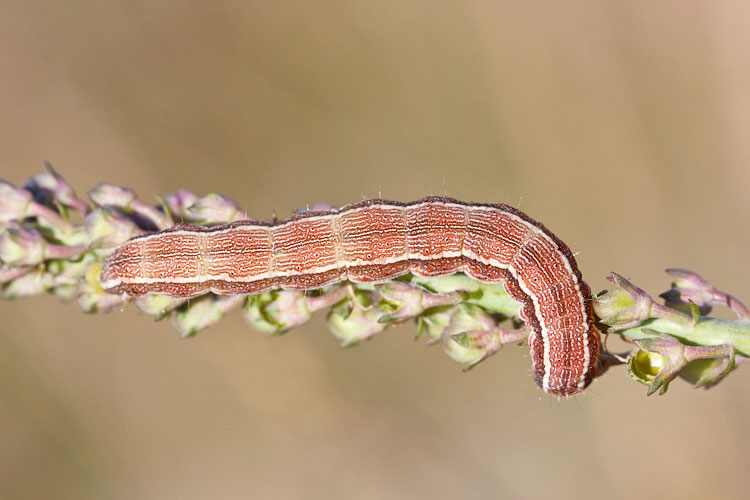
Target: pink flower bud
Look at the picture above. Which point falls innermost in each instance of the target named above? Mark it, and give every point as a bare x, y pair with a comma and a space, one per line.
14, 202
689, 287
179, 202
49, 188
124, 200
214, 209
109, 195
20, 246
32, 283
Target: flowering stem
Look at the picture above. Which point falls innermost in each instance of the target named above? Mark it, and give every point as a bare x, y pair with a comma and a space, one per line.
707, 332
41, 251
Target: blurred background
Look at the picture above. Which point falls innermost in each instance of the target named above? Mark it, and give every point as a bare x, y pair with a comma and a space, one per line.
622, 126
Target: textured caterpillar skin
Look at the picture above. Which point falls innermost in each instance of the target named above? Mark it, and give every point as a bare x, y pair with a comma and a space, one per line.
377, 240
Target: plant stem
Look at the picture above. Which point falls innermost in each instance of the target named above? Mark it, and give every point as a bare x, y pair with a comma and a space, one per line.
707, 332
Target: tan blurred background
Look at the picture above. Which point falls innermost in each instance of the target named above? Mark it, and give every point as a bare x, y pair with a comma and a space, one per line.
623, 126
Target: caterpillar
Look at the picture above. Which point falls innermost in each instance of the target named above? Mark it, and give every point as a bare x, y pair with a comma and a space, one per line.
377, 240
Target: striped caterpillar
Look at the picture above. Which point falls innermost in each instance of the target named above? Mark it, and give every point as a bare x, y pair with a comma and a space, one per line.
377, 240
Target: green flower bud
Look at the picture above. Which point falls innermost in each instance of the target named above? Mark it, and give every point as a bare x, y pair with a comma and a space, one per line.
278, 311
92, 301
625, 306
355, 320
199, 314
106, 228
158, 305
433, 324
472, 335
707, 373
20, 247
615, 306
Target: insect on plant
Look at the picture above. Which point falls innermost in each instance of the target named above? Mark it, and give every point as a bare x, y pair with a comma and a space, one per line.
458, 269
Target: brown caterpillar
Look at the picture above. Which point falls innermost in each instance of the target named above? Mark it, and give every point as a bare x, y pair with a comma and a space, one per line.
377, 240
